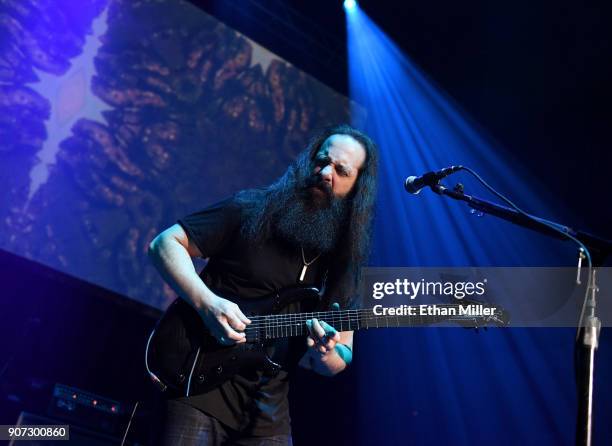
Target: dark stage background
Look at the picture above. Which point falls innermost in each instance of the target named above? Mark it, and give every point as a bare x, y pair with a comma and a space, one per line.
148, 110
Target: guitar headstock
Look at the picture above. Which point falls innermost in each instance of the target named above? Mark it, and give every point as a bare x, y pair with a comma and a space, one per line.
485, 315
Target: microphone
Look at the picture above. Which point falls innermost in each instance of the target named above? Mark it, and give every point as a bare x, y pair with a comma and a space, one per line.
415, 184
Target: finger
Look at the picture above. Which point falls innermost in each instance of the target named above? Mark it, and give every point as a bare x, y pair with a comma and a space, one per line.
217, 328
318, 330
335, 306
230, 333
235, 321
312, 341
330, 344
330, 331
310, 329
241, 315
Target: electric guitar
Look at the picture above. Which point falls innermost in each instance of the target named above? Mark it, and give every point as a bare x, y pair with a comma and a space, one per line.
184, 358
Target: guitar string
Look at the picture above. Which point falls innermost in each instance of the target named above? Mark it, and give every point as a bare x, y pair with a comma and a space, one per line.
338, 316
326, 314
286, 323
346, 315
282, 331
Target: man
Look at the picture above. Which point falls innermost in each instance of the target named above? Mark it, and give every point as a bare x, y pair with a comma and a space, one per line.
309, 228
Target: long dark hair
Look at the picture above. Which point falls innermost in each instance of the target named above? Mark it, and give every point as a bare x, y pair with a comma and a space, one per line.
352, 248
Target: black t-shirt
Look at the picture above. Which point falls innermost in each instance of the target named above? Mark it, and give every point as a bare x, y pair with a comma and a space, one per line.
249, 402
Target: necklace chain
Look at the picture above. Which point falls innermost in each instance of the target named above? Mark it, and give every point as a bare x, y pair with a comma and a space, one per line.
304, 258
306, 264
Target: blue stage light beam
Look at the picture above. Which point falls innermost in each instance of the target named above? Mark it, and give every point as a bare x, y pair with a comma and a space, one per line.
450, 386
350, 5
419, 128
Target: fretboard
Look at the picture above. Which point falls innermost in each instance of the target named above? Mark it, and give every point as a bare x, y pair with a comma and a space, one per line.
294, 324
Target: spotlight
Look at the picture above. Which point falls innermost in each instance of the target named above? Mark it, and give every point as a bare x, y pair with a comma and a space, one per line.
350, 5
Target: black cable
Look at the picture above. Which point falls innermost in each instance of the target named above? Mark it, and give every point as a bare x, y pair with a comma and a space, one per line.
554, 226
127, 429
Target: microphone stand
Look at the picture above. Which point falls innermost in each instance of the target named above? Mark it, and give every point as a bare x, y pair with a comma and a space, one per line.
587, 338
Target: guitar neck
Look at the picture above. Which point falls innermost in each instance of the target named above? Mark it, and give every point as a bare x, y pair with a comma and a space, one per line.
276, 326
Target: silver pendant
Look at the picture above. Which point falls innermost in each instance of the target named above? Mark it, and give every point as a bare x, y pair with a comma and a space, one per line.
303, 274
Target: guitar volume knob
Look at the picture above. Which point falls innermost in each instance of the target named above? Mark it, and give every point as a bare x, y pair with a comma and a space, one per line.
219, 370
201, 379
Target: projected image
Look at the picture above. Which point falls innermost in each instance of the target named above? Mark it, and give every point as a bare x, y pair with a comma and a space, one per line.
39, 41
137, 114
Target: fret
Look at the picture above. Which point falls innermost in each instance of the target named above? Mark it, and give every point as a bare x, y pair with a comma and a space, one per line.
294, 324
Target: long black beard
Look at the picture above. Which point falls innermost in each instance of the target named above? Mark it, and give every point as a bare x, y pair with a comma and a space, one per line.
311, 222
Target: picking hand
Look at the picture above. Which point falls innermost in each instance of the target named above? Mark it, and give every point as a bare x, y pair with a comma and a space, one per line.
225, 321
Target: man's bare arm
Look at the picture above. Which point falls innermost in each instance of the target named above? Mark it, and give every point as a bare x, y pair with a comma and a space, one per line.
171, 252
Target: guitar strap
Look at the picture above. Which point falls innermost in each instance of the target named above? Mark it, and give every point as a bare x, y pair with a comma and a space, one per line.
322, 289
324, 282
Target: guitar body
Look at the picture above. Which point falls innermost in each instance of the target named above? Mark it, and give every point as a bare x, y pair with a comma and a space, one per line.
184, 358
